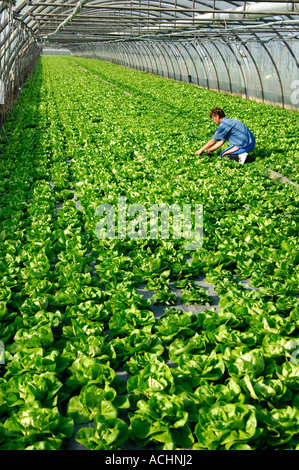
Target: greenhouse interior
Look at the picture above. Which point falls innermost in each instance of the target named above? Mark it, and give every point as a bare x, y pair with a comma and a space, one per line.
149, 281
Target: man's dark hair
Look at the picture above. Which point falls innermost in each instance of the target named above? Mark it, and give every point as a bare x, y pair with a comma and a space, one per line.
217, 112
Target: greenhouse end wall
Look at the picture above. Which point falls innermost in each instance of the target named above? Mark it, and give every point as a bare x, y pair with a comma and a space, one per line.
266, 72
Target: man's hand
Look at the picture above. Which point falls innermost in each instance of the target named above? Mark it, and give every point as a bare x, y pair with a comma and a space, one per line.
199, 152
205, 147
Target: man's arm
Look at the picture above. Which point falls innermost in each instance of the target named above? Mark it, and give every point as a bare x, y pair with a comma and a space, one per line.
205, 147
216, 146
210, 146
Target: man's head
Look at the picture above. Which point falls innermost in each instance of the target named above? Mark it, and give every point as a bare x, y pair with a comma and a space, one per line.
217, 114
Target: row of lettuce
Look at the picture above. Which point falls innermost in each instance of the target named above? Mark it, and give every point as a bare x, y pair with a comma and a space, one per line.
68, 330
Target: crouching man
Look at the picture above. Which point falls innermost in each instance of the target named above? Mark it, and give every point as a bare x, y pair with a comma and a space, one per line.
233, 131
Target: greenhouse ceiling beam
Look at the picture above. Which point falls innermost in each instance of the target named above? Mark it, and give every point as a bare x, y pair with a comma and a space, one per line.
104, 16
117, 36
171, 9
121, 36
116, 19
76, 10
87, 39
238, 27
136, 27
191, 31
208, 35
56, 17
48, 16
135, 36
163, 25
107, 38
131, 8
232, 29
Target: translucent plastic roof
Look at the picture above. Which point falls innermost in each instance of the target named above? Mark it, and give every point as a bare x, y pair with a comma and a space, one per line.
69, 22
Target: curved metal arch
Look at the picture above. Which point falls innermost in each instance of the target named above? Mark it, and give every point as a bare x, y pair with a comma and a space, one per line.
142, 56
139, 56
148, 54
174, 46
289, 49
276, 70
157, 45
185, 63
128, 47
136, 56
165, 47
126, 54
225, 65
115, 54
212, 62
151, 58
133, 62
237, 61
240, 69
257, 71
203, 65
149, 47
193, 63
12, 38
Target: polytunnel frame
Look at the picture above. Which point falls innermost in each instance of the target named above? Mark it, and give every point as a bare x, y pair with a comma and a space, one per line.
277, 73
18, 53
257, 70
203, 66
210, 56
172, 8
159, 26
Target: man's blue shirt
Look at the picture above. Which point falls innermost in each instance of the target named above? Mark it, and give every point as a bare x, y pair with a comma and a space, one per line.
234, 132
